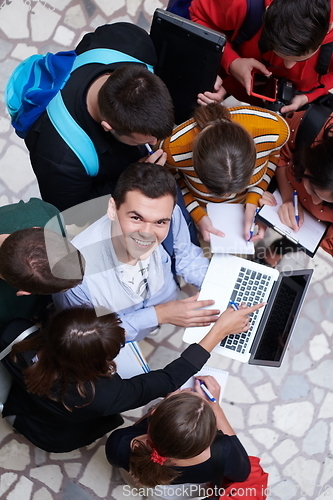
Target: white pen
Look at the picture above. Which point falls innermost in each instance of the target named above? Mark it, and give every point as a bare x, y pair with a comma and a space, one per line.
207, 392
149, 148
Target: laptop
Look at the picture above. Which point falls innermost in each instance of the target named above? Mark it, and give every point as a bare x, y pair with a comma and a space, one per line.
231, 278
188, 59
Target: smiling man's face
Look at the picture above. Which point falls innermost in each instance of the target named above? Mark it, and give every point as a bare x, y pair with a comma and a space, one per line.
140, 224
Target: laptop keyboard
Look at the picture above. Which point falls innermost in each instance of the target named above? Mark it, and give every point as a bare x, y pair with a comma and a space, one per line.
250, 288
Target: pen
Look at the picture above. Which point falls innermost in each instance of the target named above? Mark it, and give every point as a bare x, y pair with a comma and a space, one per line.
207, 392
295, 203
149, 148
234, 305
253, 224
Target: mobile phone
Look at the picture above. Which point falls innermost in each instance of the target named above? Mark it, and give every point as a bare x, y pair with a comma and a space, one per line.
263, 87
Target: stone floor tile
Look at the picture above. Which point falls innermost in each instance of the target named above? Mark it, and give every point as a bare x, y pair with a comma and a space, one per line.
252, 374
71, 455
20, 176
318, 395
248, 443
258, 414
6, 480
301, 334
43, 23
22, 51
322, 374
122, 492
265, 392
285, 490
97, 474
293, 418
237, 392
305, 473
315, 439
72, 469
42, 494
328, 327
284, 451
14, 20
14, 455
318, 347
301, 362
75, 17
64, 36
234, 414
109, 7
40, 456
265, 436
294, 387
22, 490
327, 475
326, 410
50, 475
73, 491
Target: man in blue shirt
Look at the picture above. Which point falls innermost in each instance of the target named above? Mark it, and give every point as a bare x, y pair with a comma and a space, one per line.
128, 270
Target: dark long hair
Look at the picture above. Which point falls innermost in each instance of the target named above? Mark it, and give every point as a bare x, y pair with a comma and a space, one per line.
224, 153
77, 347
182, 426
317, 161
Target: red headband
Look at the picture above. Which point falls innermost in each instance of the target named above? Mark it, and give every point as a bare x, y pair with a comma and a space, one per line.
157, 458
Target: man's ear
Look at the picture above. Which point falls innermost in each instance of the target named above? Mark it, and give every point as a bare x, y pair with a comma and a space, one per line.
106, 126
20, 293
112, 209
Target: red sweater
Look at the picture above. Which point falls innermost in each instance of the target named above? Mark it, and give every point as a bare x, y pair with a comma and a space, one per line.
321, 211
228, 15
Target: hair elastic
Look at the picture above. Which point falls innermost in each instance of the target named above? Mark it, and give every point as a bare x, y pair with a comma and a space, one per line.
157, 458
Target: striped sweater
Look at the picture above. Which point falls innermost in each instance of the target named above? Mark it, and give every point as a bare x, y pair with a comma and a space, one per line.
269, 131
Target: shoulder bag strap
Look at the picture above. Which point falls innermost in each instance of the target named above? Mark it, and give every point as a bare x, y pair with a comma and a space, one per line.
22, 336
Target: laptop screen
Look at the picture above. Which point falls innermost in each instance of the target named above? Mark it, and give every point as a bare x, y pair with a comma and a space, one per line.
278, 325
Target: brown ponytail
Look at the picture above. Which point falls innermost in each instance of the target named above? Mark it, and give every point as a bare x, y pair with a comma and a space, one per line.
181, 427
224, 153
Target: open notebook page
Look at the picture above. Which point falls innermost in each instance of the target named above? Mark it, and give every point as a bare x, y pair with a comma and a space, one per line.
229, 218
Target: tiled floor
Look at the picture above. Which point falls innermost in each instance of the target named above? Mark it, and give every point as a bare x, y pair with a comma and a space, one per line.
283, 415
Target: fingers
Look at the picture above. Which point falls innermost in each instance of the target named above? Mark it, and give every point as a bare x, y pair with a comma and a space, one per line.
267, 199
217, 232
287, 215
248, 310
159, 157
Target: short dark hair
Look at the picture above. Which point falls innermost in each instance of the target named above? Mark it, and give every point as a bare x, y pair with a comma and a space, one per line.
76, 346
295, 27
182, 426
40, 261
317, 160
224, 153
134, 100
154, 181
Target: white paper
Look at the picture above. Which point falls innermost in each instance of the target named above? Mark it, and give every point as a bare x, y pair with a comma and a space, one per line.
229, 218
308, 236
220, 375
130, 361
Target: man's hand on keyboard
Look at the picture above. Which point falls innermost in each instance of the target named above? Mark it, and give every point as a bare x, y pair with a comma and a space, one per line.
187, 312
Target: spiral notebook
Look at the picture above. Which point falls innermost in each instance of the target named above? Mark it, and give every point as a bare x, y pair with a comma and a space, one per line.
130, 361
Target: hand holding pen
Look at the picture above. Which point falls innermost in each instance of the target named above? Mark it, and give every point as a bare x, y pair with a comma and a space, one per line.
253, 224
159, 156
208, 388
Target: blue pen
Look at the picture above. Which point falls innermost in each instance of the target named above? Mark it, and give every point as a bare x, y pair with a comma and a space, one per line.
234, 305
295, 203
207, 392
149, 148
253, 224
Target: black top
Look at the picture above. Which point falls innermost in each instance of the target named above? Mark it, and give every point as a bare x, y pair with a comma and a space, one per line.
52, 427
61, 176
236, 466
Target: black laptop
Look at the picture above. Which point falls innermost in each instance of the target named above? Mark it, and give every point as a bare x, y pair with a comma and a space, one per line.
189, 57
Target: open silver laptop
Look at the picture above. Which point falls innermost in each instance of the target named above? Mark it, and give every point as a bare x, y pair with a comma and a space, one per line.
231, 278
